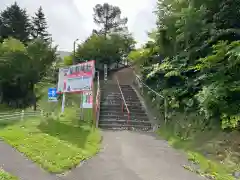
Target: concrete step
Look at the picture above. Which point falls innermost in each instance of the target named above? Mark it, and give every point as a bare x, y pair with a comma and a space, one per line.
120, 113
111, 103
105, 110
109, 92
139, 116
110, 89
113, 116
128, 90
125, 86
108, 112
136, 111
123, 121
120, 99
125, 127
131, 97
124, 117
111, 107
137, 105
130, 94
135, 108
111, 96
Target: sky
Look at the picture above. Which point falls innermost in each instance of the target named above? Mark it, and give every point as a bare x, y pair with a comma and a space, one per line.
69, 20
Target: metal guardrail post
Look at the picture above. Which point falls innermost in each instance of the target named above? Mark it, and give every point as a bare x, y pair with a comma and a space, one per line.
22, 115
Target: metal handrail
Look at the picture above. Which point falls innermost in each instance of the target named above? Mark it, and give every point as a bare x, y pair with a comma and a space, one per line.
148, 86
97, 106
155, 92
124, 102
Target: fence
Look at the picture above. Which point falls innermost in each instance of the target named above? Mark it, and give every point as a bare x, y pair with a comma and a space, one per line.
146, 91
19, 115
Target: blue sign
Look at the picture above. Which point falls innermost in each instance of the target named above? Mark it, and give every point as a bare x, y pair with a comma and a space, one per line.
52, 94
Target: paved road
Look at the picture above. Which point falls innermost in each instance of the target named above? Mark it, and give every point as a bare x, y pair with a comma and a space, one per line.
133, 156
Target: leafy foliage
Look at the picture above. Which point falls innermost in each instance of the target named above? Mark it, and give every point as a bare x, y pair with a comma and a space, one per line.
109, 17
112, 43
15, 23
23, 66
112, 49
193, 56
68, 60
24, 60
39, 26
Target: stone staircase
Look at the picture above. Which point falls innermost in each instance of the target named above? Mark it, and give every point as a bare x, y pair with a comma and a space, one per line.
111, 115
137, 111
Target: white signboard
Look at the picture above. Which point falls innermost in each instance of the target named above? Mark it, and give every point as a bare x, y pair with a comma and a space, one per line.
61, 77
82, 69
77, 84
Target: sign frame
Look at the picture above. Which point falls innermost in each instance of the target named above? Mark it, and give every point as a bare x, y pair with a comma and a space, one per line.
62, 74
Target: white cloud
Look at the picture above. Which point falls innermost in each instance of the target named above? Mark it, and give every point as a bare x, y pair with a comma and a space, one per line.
72, 19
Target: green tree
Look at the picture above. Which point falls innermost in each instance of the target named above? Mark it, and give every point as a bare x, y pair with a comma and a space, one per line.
16, 23
13, 70
21, 67
108, 50
1, 29
109, 18
68, 60
185, 61
39, 26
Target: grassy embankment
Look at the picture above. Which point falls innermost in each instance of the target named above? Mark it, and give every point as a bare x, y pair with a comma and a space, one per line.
59, 142
212, 153
5, 176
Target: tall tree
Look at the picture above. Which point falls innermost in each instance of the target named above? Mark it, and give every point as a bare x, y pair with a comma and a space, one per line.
109, 18
112, 49
1, 27
16, 23
22, 66
39, 25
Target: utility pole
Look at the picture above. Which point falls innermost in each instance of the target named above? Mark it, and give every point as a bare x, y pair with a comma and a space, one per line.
74, 51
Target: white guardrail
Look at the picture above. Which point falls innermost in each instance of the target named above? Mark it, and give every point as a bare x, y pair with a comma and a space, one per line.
19, 115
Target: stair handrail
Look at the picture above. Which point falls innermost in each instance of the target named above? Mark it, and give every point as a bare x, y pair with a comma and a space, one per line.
98, 97
123, 102
156, 93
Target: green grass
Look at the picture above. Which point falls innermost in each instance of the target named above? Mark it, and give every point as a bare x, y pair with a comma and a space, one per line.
56, 144
6, 176
59, 142
207, 151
